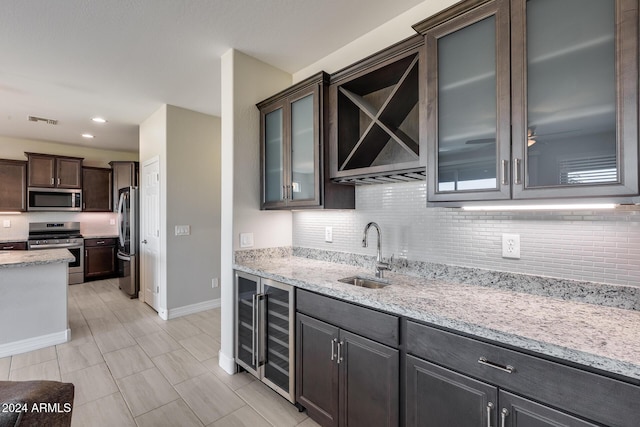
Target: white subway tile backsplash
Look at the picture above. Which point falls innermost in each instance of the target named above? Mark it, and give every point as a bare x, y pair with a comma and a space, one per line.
590, 246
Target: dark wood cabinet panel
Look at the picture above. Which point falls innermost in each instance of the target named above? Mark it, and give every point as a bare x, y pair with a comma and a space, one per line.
317, 369
372, 370
13, 246
344, 379
124, 174
592, 396
42, 170
99, 258
96, 190
437, 397
369, 323
54, 171
519, 412
13, 190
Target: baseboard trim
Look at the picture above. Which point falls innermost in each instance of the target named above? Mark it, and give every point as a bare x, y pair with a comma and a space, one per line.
227, 363
193, 308
35, 343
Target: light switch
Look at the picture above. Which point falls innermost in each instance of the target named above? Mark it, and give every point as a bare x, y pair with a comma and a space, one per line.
246, 240
328, 234
183, 230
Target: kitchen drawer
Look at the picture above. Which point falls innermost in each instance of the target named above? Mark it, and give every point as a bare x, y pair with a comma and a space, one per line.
99, 242
13, 246
372, 324
590, 395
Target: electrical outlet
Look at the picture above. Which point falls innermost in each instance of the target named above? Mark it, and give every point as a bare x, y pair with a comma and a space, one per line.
246, 240
6, 223
328, 234
511, 246
112, 221
214, 282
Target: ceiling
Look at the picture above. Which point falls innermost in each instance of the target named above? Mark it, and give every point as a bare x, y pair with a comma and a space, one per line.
73, 60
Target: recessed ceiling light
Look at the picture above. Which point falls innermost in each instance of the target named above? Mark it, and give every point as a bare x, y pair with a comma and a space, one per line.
87, 135
99, 120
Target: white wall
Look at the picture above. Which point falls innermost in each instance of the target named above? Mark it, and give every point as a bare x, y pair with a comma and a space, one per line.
188, 146
153, 142
245, 82
193, 198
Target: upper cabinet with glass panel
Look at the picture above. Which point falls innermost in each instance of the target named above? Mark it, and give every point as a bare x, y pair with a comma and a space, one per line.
292, 151
555, 115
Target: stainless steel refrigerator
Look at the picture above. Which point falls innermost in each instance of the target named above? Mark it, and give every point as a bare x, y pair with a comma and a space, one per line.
128, 255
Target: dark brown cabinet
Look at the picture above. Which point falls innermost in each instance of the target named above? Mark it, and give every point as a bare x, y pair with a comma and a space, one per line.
456, 380
13, 246
96, 190
99, 258
531, 99
294, 169
374, 126
13, 191
49, 171
344, 378
124, 174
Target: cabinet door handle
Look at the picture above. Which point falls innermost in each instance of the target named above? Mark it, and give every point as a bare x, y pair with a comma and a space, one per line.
489, 409
52, 181
58, 181
333, 348
517, 176
253, 330
340, 344
503, 417
508, 368
505, 172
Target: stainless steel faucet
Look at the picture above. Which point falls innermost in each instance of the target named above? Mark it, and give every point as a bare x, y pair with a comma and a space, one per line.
380, 264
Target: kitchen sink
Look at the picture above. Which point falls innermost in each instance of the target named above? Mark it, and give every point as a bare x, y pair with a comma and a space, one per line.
364, 282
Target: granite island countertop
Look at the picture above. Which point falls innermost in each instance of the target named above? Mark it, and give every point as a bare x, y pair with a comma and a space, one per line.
605, 338
9, 259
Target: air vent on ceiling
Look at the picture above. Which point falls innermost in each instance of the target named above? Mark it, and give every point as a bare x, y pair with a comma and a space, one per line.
42, 119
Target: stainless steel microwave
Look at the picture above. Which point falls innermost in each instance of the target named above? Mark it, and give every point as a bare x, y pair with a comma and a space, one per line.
54, 199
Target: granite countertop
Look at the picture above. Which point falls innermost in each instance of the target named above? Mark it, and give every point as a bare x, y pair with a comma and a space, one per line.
9, 259
13, 240
100, 236
605, 338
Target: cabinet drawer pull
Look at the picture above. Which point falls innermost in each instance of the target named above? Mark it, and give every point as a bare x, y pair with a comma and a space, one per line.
101, 242
489, 409
508, 369
503, 417
505, 172
7, 247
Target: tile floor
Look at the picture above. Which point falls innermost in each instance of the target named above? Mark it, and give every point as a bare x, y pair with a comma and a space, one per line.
131, 368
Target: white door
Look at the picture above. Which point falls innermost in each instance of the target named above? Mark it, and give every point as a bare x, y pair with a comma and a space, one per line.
150, 232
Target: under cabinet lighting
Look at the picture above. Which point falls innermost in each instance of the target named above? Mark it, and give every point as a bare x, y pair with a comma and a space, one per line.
87, 135
588, 206
10, 213
99, 120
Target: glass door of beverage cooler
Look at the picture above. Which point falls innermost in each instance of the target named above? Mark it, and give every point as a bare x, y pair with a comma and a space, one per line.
247, 289
277, 348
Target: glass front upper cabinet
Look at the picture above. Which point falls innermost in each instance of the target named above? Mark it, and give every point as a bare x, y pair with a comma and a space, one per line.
532, 99
468, 105
575, 77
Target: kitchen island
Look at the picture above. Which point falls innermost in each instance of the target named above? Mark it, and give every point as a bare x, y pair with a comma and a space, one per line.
33, 299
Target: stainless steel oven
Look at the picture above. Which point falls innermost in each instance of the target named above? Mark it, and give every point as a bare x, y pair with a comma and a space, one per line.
60, 235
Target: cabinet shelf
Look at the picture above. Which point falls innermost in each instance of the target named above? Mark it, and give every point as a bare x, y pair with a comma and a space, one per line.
375, 118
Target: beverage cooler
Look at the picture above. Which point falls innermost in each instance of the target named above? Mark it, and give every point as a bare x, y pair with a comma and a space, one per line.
265, 316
